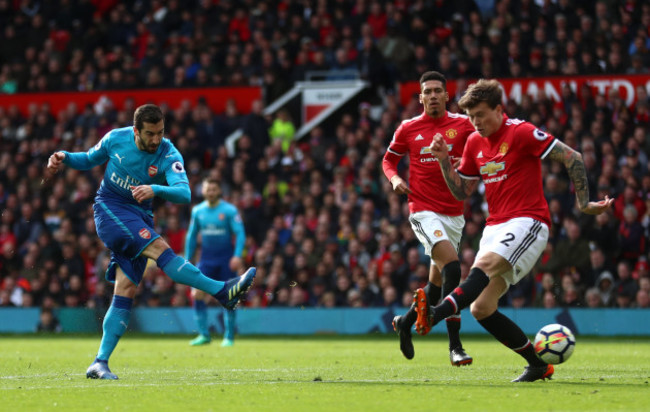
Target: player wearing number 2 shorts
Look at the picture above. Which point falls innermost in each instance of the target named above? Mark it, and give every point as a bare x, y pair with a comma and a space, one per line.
506, 154
435, 215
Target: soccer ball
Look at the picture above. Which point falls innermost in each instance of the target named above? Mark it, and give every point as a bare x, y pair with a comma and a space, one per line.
554, 343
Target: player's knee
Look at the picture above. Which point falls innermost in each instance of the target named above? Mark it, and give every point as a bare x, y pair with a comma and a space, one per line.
484, 264
481, 309
477, 311
126, 288
492, 264
155, 248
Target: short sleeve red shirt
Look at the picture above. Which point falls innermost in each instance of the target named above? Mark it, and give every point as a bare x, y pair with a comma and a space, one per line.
509, 163
428, 186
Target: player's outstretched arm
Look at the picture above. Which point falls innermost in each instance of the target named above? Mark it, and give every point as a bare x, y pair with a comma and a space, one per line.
459, 187
575, 166
96, 156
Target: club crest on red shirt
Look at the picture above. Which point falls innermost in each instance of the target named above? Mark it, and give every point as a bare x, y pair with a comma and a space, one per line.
153, 170
144, 233
451, 133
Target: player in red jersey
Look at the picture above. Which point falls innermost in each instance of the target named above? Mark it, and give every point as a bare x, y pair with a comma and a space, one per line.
435, 215
506, 154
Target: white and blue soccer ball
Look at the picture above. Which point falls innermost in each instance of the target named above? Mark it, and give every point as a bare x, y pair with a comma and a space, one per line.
554, 343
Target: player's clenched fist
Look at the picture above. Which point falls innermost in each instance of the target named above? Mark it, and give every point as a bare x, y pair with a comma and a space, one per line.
399, 185
438, 147
142, 193
55, 161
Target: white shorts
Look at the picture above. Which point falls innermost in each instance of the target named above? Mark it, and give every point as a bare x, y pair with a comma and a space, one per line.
520, 241
431, 228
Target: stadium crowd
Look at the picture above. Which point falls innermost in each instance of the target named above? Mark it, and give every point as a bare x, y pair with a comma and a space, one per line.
80, 45
323, 225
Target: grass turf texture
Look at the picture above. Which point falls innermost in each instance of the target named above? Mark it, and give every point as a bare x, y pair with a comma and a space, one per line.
366, 373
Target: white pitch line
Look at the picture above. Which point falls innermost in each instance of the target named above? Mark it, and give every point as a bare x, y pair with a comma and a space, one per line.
194, 383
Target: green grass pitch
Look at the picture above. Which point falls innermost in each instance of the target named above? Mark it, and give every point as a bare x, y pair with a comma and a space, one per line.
315, 373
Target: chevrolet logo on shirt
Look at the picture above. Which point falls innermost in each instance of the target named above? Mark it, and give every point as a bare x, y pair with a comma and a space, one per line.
492, 168
427, 149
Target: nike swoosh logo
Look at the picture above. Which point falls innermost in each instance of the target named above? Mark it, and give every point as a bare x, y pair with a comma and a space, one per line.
123, 324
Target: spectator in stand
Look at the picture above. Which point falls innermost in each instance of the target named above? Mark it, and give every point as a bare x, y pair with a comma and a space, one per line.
283, 130
570, 294
631, 234
174, 233
27, 227
256, 126
48, 322
605, 285
547, 285
644, 283
10, 260
601, 234
599, 264
625, 286
625, 299
592, 298
549, 300
521, 294
356, 256
630, 197
571, 252
642, 300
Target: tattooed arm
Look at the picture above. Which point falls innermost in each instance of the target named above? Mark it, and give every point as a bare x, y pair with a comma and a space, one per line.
459, 187
572, 160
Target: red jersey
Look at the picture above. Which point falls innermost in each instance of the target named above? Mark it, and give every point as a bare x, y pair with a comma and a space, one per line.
428, 186
509, 162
